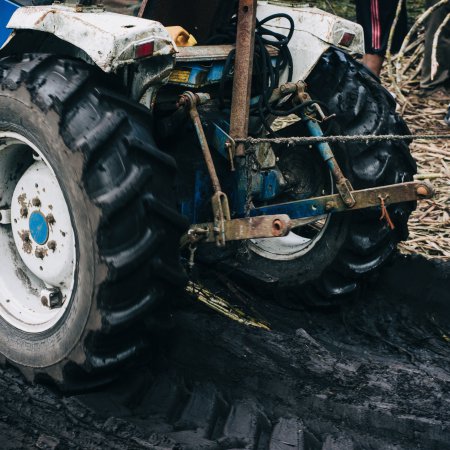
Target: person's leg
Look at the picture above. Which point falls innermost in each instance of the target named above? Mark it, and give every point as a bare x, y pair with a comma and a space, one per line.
373, 62
432, 25
376, 18
366, 16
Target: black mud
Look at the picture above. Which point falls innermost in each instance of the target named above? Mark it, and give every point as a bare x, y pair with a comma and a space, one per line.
374, 374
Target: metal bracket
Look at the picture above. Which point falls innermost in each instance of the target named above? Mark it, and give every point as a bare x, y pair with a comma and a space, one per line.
221, 211
225, 142
5, 216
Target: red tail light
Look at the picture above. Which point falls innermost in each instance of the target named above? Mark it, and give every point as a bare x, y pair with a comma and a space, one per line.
144, 49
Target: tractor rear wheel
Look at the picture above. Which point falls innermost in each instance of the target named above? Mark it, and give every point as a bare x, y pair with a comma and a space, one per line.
89, 236
329, 263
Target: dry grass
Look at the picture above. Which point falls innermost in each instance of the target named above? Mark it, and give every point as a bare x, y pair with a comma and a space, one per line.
430, 224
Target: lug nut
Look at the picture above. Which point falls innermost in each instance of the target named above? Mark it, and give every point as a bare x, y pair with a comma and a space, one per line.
40, 253
50, 219
25, 236
24, 212
51, 245
36, 202
52, 298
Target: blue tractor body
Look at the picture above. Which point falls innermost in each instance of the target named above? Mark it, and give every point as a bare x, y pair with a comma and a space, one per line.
7, 9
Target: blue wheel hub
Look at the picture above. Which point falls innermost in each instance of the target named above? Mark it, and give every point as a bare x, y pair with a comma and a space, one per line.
38, 228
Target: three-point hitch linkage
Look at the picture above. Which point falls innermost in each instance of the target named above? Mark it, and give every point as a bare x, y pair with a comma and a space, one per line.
276, 220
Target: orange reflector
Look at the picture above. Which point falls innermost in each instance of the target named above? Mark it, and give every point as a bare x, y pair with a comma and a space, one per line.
144, 49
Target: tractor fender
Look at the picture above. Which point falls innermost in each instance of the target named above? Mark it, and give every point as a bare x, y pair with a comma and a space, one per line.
314, 32
109, 40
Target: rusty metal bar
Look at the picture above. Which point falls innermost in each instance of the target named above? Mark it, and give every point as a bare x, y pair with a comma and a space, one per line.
219, 201
142, 8
242, 229
243, 70
191, 100
365, 198
277, 220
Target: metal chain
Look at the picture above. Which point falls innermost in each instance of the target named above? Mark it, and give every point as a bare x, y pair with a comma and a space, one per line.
299, 140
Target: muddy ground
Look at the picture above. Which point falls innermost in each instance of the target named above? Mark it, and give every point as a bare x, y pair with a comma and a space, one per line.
374, 374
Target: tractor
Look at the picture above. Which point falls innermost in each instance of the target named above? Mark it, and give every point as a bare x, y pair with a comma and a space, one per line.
133, 146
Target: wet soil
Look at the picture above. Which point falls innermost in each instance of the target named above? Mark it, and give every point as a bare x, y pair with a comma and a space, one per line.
372, 374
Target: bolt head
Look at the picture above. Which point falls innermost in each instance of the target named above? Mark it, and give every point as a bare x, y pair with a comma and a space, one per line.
52, 298
422, 191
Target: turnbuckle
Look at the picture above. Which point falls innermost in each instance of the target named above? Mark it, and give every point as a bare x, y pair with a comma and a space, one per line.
343, 184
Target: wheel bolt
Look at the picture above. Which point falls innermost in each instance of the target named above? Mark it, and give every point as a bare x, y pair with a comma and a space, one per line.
52, 298
40, 253
24, 212
51, 245
25, 236
36, 202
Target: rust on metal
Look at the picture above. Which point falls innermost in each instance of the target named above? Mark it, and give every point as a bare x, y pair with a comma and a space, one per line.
242, 229
190, 100
221, 213
219, 201
423, 191
278, 227
210, 53
365, 198
243, 70
343, 185
142, 8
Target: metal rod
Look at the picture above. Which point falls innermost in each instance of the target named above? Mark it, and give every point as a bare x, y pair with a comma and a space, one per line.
343, 184
192, 100
143, 8
243, 70
365, 198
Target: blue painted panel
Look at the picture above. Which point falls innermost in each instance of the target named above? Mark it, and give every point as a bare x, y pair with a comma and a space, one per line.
7, 9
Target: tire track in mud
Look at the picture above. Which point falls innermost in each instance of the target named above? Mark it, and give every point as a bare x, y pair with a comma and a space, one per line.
374, 374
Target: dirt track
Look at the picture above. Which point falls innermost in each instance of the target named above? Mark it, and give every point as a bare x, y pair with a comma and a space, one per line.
372, 375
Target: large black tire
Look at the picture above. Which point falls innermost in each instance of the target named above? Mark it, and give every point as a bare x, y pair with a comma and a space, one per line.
355, 244
119, 189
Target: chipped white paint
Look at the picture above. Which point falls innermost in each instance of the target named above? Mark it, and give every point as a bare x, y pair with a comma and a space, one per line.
27, 268
315, 31
107, 38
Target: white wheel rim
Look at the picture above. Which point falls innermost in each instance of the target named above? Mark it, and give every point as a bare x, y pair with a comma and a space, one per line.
288, 247
38, 251
291, 246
